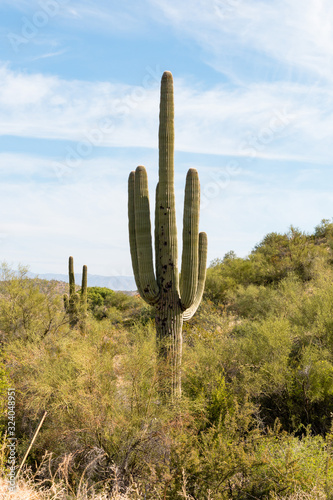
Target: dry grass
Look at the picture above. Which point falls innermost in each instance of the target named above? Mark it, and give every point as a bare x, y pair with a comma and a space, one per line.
46, 484
301, 495
23, 492
27, 490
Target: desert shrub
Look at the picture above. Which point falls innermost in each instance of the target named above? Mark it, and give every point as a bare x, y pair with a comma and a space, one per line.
99, 300
292, 464
209, 320
117, 307
253, 301
100, 391
260, 348
224, 276
27, 306
272, 260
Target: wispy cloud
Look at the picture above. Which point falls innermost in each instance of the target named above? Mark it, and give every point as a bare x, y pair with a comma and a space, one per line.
234, 34
112, 16
46, 221
297, 35
259, 120
86, 15
270, 99
49, 54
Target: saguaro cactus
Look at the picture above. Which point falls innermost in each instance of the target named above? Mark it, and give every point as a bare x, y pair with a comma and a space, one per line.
174, 300
83, 298
83, 294
75, 303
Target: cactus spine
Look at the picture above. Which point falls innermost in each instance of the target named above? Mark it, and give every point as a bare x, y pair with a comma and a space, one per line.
76, 304
174, 300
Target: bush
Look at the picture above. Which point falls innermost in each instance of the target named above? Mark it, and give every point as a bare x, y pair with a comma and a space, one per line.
255, 415
117, 306
28, 307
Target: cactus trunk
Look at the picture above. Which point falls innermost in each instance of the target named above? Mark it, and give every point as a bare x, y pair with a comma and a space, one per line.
174, 302
168, 312
169, 324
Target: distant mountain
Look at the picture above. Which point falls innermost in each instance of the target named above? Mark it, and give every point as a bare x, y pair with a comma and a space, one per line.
124, 283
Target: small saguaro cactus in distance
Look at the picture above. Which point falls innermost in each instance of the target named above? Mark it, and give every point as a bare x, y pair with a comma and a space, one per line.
83, 294
175, 300
83, 298
75, 303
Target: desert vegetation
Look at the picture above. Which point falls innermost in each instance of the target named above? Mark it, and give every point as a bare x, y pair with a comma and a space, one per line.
255, 416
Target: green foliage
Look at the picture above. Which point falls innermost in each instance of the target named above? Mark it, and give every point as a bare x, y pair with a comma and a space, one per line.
99, 300
99, 296
224, 277
117, 307
101, 393
255, 418
28, 307
283, 299
272, 260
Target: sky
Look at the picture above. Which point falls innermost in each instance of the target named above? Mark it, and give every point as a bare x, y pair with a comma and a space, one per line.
79, 105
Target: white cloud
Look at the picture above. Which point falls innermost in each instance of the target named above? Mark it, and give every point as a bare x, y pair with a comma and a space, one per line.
86, 215
110, 15
293, 38
47, 220
84, 15
25, 166
34, 105
48, 55
278, 106
259, 120
294, 34
18, 91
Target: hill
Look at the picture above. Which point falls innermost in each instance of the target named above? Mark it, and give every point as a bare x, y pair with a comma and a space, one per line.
119, 283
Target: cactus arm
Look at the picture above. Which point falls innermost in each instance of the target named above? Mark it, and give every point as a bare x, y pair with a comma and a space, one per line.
71, 276
66, 302
143, 237
84, 282
157, 252
187, 315
131, 229
190, 255
83, 299
132, 216
168, 253
84, 287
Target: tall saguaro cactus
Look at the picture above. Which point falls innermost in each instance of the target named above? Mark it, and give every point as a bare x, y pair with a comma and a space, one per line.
175, 300
76, 303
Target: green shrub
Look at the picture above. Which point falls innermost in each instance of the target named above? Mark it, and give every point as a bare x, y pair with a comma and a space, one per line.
28, 307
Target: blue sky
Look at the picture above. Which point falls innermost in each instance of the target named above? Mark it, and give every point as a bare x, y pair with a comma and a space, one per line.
79, 98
